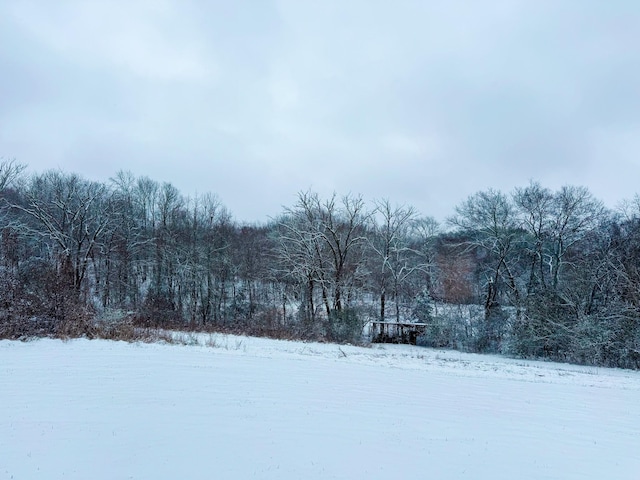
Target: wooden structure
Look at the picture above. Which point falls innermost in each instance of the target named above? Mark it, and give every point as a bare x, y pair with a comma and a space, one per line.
396, 332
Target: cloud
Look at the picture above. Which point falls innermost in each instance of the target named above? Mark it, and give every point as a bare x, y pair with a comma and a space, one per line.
420, 102
136, 38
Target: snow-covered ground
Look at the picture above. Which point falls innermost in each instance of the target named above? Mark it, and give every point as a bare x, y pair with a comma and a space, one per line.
241, 408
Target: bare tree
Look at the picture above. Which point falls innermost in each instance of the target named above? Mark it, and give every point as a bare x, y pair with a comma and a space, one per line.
575, 213
321, 244
299, 252
212, 225
489, 220
123, 260
489, 223
536, 207
9, 172
569, 261
401, 243
424, 234
71, 212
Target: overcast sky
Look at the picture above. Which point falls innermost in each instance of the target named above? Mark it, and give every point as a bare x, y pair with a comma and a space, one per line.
421, 102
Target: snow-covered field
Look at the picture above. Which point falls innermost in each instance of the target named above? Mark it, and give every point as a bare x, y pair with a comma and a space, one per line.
244, 408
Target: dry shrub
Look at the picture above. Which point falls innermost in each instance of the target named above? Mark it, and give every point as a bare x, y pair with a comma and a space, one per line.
15, 328
78, 322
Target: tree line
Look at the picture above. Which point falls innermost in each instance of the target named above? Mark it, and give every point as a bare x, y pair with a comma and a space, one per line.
531, 273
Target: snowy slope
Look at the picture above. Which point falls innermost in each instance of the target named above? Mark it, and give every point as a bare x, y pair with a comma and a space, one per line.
256, 408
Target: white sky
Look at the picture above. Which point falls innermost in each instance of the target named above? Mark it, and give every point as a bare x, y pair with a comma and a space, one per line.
422, 102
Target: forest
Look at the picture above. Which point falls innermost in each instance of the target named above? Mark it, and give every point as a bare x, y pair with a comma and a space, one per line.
532, 273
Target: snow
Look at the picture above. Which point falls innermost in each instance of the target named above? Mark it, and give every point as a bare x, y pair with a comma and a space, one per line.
242, 408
